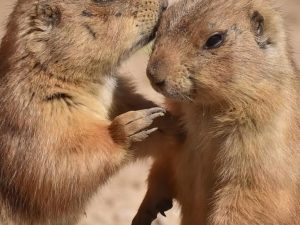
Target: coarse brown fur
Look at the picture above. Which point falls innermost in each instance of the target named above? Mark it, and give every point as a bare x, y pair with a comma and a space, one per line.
240, 164
58, 93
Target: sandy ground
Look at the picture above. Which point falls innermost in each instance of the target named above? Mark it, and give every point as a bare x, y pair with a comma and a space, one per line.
117, 202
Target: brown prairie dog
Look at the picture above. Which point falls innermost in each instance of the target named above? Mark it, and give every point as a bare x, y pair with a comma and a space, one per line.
57, 95
227, 65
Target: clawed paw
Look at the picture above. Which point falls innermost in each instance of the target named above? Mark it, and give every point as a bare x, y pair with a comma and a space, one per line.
164, 206
147, 216
134, 126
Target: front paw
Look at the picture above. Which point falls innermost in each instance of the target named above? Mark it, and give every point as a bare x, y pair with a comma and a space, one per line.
147, 216
134, 126
164, 206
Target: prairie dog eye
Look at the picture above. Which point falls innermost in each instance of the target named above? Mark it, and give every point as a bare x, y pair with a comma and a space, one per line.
215, 40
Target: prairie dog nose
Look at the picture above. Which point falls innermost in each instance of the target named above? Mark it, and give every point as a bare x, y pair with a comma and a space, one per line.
155, 73
160, 83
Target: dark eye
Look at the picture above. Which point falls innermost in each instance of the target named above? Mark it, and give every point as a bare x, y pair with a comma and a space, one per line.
215, 41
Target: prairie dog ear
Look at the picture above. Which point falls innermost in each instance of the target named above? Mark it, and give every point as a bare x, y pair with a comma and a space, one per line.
260, 29
48, 14
257, 23
43, 18
267, 25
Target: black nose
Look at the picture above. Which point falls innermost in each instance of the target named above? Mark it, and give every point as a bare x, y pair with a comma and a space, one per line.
160, 83
154, 75
164, 5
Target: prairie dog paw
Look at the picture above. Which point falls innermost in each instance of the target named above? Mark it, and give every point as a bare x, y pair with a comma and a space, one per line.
147, 214
134, 126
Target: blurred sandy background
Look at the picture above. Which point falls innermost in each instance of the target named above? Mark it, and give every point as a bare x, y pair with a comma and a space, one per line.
118, 201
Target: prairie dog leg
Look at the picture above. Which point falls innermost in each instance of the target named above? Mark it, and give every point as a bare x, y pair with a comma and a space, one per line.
160, 193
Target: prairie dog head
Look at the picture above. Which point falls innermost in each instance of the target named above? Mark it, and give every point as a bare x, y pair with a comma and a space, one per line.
215, 51
86, 35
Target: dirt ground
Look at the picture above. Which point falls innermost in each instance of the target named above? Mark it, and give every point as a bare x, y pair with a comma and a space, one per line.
117, 202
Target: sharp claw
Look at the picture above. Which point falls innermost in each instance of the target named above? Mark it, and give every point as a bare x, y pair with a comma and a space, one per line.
164, 206
156, 115
163, 213
157, 110
151, 130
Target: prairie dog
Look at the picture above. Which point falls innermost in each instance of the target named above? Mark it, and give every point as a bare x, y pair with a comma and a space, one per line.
226, 67
58, 143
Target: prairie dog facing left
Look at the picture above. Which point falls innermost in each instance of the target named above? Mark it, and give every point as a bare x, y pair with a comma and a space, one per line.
226, 67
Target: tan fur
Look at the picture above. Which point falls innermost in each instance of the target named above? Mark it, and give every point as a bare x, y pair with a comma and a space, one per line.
240, 164
58, 93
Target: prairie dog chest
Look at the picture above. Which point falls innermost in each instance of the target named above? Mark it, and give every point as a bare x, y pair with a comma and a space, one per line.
100, 99
106, 94
195, 170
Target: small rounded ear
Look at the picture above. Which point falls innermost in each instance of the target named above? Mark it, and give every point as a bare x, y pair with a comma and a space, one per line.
47, 14
258, 23
262, 29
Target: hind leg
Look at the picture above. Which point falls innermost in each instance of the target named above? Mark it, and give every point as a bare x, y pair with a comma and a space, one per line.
160, 193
